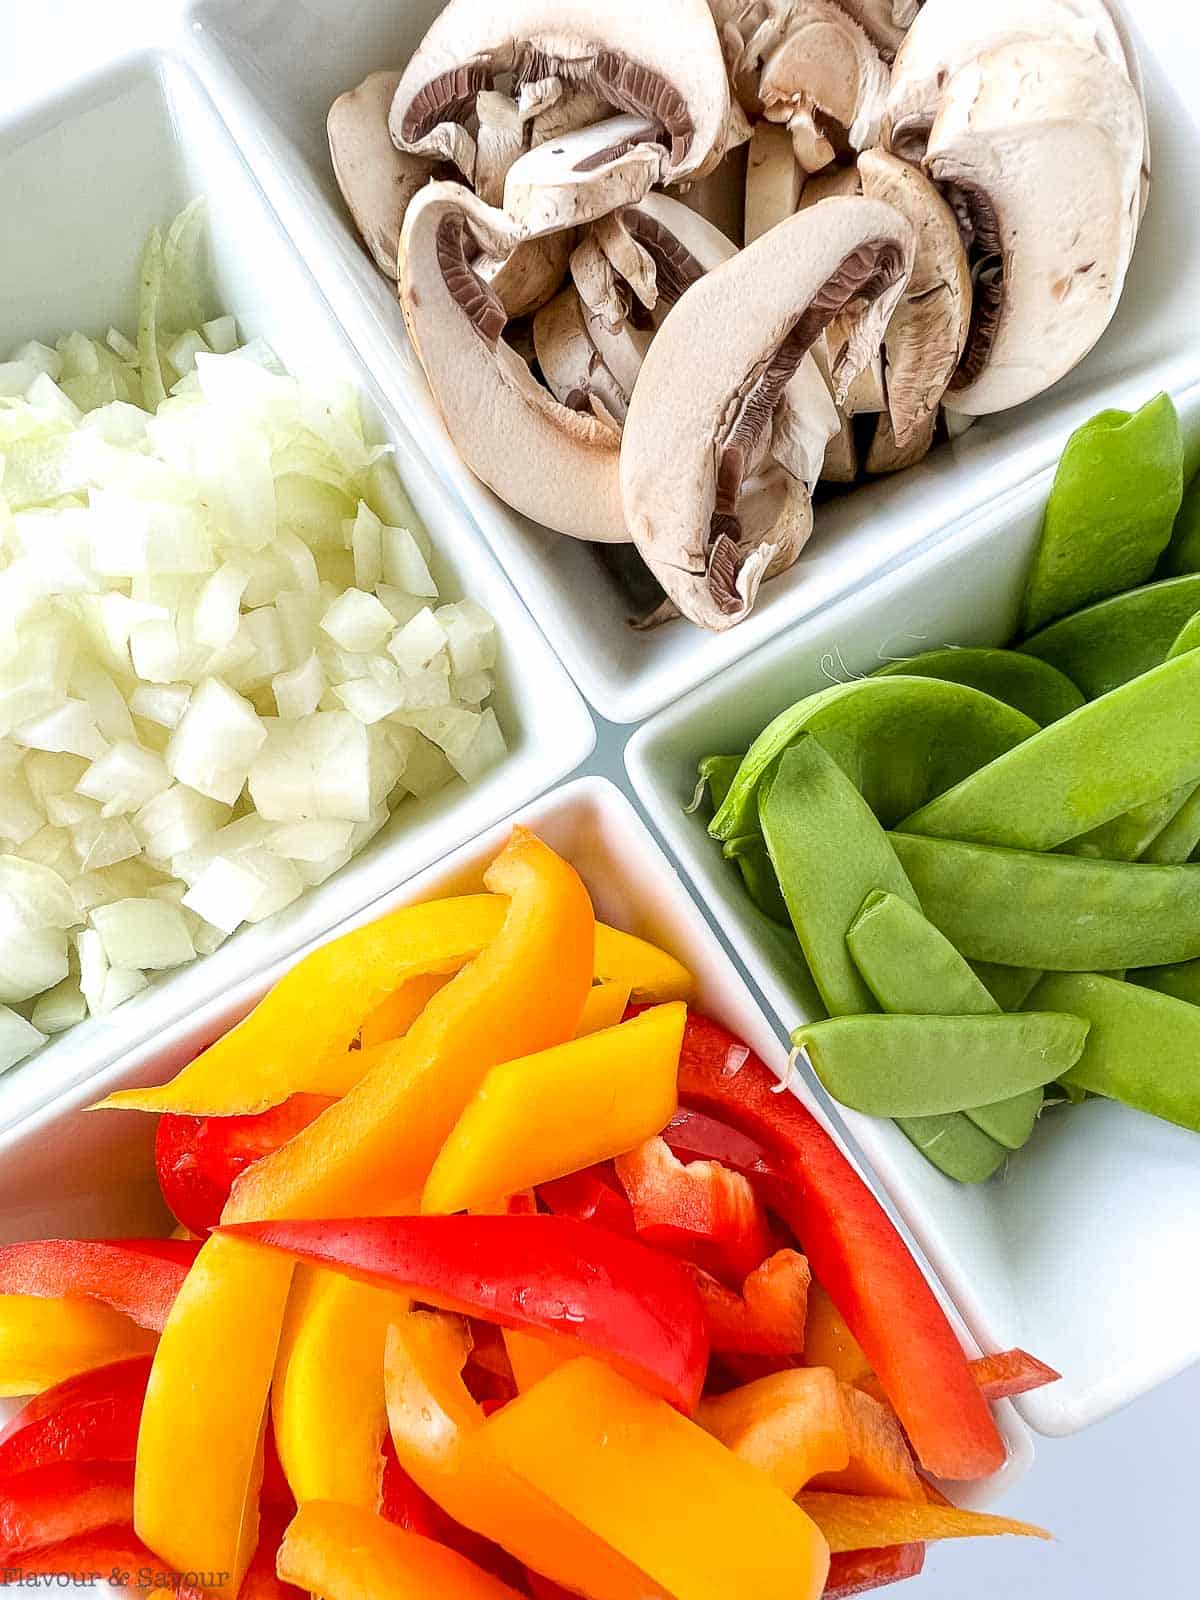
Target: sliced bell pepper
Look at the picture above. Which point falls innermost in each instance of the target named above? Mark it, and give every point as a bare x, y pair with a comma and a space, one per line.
345, 1553
768, 1317
62, 1501
607, 1295
1011, 1372
198, 1159
657, 1488
200, 1449
436, 1426
790, 1426
92, 1417
92, 1558
859, 1522
372, 1152
393, 1017
532, 1355
699, 1210
327, 1398
44, 1342
593, 1195
856, 1253
696, 1137
140, 1277
604, 1007
828, 1342
545, 1115
651, 975
880, 1461
854, 1572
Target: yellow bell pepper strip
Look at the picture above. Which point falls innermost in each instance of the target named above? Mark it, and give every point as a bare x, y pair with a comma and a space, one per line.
880, 1461
550, 1114
789, 1425
44, 1342
828, 1342
534, 1355
604, 1007
859, 1522
525, 992
393, 1017
435, 1426
327, 1399
346, 1553
657, 1488
200, 1447
653, 976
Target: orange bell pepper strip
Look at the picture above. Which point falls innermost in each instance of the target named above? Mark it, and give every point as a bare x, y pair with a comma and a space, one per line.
790, 1425
1010, 1372
568, 1107
857, 1571
370, 1153
346, 1553
768, 1318
880, 1461
828, 1342
604, 1007
200, 1446
532, 1356
327, 1399
652, 975
436, 1427
858, 1522
671, 1498
393, 1017
44, 1342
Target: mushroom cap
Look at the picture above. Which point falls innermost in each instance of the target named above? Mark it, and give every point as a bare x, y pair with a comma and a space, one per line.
555, 465
928, 331
1043, 143
377, 180
712, 379
825, 71
660, 61
948, 34
583, 176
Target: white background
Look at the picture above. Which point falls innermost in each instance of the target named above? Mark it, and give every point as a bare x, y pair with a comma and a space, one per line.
1123, 1499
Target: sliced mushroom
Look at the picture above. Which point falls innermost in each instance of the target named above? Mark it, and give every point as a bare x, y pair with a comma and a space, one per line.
826, 81
865, 395
1043, 146
720, 198
773, 179
887, 455
605, 311
626, 260
555, 465
829, 185
583, 175
885, 22
659, 62
570, 110
377, 180
712, 380
955, 423
928, 332
948, 34
499, 142
531, 274
805, 423
569, 361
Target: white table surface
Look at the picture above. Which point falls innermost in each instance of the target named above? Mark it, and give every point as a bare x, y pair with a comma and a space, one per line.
1121, 1498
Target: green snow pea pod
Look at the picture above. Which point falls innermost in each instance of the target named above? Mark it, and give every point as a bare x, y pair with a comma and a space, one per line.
1110, 514
901, 741
1129, 747
954, 1145
1178, 840
1129, 836
1181, 979
899, 1066
1142, 1047
754, 864
1183, 552
1009, 987
714, 775
1057, 913
1023, 681
828, 852
1107, 644
910, 967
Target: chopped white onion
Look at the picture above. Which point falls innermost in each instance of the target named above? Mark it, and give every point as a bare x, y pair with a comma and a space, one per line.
358, 621
18, 1038
143, 933
298, 692
59, 1008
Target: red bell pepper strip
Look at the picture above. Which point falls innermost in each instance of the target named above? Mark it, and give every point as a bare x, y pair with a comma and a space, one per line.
856, 1571
1010, 1372
93, 1417
140, 1277
855, 1253
406, 1504
198, 1159
696, 1137
592, 1195
95, 1557
62, 1501
768, 1317
609, 1296
545, 1588
701, 1211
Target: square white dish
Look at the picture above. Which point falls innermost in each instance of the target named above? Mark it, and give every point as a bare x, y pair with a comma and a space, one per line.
83, 178
1076, 1250
275, 67
109, 1187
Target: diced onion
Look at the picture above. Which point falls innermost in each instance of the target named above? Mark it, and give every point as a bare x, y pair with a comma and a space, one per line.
18, 1038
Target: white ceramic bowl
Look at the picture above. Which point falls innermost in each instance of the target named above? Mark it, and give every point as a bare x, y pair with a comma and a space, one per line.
108, 1186
1082, 1250
83, 179
276, 66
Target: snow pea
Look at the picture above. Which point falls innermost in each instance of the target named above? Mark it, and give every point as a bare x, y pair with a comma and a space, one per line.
754, 864
1129, 747
1178, 840
1129, 836
912, 968
1183, 552
1023, 681
901, 1066
901, 740
1109, 517
1181, 979
1107, 644
1008, 986
828, 852
1142, 1047
715, 774
1058, 913
954, 1145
